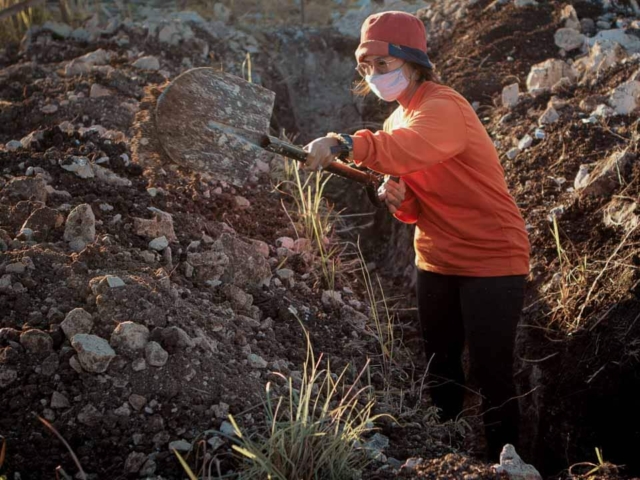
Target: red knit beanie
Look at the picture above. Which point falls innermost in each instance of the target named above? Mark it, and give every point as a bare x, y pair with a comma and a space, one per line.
398, 28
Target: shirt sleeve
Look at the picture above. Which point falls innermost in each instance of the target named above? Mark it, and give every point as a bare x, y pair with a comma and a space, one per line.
435, 133
409, 209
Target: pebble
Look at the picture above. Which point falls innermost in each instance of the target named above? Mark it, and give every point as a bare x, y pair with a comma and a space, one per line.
256, 361
77, 321
98, 91
13, 145
147, 63
525, 142
510, 95
180, 446
139, 364
36, 342
129, 337
80, 227
285, 274
242, 202
156, 355
513, 153
94, 353
59, 401
49, 109
158, 244
137, 401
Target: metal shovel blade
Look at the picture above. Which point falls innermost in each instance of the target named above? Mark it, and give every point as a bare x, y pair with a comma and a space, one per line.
202, 98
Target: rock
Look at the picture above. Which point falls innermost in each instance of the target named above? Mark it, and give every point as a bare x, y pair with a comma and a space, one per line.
26, 188
42, 221
50, 365
7, 376
630, 43
302, 245
525, 142
602, 55
246, 268
123, 410
139, 364
18, 268
129, 337
89, 416
332, 299
110, 178
37, 342
545, 75
588, 26
13, 145
606, 177
625, 99
77, 67
148, 469
525, 3
49, 109
31, 139
241, 202
285, 242
75, 364
256, 361
221, 12
239, 299
160, 225
156, 355
98, 91
159, 243
137, 401
78, 165
59, 401
103, 284
569, 39
285, 274
357, 319
80, 228
376, 445
510, 95
147, 63
513, 153
549, 116
180, 446
621, 213
570, 18
60, 30
6, 281
134, 462
228, 429
175, 338
514, 466
94, 353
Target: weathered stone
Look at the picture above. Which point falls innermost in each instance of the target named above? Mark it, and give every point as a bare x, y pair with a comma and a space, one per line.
525, 142
103, 284
110, 178
256, 361
549, 116
123, 410
37, 342
17, 268
156, 355
13, 145
510, 95
49, 365
147, 63
159, 244
160, 225
285, 274
59, 401
129, 337
570, 17
514, 466
89, 416
80, 228
175, 338
602, 55
7, 376
630, 43
80, 166
569, 39
621, 213
246, 267
137, 401
332, 299
49, 109
180, 446
26, 188
239, 299
139, 364
625, 99
94, 353
134, 462
149, 468
357, 319
546, 74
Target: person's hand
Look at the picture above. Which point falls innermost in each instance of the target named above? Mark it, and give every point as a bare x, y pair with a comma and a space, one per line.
392, 194
320, 155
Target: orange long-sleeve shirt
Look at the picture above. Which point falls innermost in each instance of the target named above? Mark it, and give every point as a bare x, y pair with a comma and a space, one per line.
467, 223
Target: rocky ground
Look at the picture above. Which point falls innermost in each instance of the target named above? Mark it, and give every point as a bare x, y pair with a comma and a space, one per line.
140, 303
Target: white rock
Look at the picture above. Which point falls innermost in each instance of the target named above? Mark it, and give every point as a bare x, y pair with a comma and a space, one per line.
582, 178
13, 145
510, 95
159, 244
603, 111
602, 55
147, 63
78, 165
549, 116
77, 321
630, 43
525, 142
129, 337
256, 361
513, 153
80, 227
94, 353
545, 75
569, 39
570, 18
514, 466
107, 176
625, 99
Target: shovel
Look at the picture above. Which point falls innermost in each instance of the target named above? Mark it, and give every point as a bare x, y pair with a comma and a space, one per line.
218, 123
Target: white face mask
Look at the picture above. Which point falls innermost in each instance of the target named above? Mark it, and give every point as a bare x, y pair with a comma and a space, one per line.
388, 86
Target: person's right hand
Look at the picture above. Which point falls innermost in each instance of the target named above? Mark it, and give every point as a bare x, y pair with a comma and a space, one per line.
392, 194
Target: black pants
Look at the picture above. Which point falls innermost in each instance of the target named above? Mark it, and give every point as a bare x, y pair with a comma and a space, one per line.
484, 311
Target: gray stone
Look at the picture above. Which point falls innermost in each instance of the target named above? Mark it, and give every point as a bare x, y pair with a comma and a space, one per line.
625, 99
18, 268
514, 466
49, 109
285, 242
129, 337
80, 166
332, 299
61, 30
80, 228
606, 177
103, 284
630, 43
256, 361
7, 376
246, 267
160, 225
227, 429
6, 281
26, 188
13, 145
137, 401
156, 355
49, 365
134, 462
94, 353
98, 91
543, 76
241, 202
159, 243
570, 17
549, 116
77, 321
59, 401
510, 95
176, 338
123, 410
89, 416
149, 468
110, 178
139, 364
147, 63
569, 39
285, 274
525, 142
37, 342
525, 3
180, 446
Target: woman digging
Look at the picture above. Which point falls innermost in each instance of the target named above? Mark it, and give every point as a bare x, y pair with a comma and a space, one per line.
472, 251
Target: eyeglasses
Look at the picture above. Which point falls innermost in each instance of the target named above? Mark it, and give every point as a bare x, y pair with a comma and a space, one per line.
378, 65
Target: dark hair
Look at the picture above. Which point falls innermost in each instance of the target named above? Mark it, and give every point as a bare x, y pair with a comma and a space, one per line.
361, 87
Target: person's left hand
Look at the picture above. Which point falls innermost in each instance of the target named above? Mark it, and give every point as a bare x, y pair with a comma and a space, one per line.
320, 155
